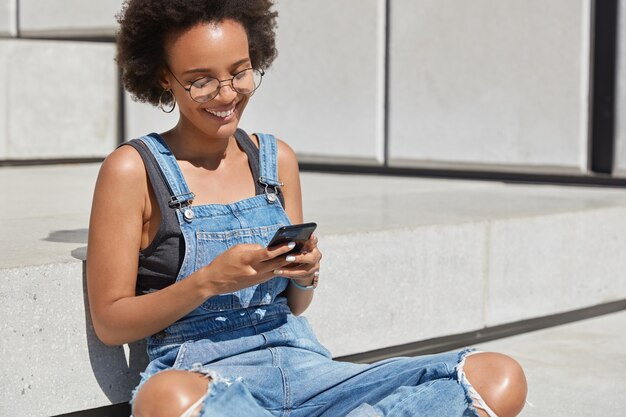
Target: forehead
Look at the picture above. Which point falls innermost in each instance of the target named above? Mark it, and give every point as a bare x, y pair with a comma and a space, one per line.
207, 45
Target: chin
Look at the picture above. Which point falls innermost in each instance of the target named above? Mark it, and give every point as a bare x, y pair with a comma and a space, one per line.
226, 131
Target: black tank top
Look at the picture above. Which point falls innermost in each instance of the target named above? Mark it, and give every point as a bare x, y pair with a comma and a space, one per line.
160, 262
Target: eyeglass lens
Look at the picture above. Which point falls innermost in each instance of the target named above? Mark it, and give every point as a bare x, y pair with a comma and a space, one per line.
244, 82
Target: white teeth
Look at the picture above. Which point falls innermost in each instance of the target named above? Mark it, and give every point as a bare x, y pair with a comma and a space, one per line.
222, 114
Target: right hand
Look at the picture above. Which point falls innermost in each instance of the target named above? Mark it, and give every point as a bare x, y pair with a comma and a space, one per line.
243, 266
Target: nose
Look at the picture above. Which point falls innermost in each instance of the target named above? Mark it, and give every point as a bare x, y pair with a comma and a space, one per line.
226, 95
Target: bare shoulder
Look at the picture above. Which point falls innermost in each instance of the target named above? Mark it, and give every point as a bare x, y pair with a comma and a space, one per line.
123, 166
119, 204
287, 158
284, 148
122, 180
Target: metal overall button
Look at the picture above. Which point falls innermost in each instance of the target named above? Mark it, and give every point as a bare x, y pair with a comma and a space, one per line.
183, 202
270, 195
188, 214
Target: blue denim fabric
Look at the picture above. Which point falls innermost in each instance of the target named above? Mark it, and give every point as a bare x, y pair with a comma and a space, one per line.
250, 336
231, 399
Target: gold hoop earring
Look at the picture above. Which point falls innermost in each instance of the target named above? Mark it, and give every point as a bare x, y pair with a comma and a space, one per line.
161, 104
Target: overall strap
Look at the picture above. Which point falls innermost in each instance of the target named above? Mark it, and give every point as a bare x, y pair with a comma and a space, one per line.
268, 161
252, 151
180, 196
268, 158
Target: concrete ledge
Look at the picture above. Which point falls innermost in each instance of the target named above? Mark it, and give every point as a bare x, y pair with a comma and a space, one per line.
54, 363
405, 259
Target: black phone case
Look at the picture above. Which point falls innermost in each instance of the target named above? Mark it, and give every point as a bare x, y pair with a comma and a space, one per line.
298, 233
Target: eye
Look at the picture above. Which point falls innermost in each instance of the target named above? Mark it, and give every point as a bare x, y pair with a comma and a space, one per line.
242, 74
203, 82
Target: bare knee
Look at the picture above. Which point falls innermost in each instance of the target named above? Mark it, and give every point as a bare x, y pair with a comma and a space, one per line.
499, 380
169, 394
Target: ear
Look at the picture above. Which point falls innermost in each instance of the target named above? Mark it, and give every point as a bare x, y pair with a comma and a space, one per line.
164, 79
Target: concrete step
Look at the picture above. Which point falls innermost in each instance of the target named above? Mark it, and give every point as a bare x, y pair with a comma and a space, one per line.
573, 370
405, 259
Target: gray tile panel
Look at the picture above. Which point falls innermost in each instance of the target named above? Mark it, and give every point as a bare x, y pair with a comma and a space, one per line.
620, 99
60, 99
8, 18
487, 83
68, 18
324, 94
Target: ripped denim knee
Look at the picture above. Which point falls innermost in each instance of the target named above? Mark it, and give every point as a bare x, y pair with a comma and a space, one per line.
473, 398
224, 398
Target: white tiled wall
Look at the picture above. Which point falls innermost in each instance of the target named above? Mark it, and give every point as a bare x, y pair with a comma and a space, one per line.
60, 98
490, 83
324, 94
43, 18
4, 108
8, 18
484, 85
141, 119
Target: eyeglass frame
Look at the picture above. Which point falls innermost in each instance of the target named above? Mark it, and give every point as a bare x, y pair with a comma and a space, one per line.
219, 88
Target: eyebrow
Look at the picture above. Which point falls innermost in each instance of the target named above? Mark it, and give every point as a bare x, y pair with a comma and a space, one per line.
195, 70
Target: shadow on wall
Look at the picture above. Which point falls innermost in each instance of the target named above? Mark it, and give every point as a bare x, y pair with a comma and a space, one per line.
116, 369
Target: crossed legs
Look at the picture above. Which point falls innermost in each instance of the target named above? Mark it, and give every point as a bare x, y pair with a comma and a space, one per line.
498, 379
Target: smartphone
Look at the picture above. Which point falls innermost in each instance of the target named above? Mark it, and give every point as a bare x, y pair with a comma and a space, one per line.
298, 233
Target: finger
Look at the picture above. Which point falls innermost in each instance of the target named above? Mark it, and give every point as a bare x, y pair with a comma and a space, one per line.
312, 257
271, 253
273, 264
296, 259
297, 273
306, 279
310, 245
284, 270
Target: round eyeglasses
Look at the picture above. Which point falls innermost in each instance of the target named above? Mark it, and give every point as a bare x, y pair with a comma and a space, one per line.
207, 88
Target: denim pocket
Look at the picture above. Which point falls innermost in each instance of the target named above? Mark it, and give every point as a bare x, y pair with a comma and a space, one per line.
211, 244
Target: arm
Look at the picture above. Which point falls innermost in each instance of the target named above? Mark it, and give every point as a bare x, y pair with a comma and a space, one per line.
289, 173
119, 212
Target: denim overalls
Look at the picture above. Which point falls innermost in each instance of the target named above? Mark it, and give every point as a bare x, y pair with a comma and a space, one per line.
251, 339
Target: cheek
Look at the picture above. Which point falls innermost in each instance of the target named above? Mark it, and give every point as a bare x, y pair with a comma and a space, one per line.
188, 107
182, 99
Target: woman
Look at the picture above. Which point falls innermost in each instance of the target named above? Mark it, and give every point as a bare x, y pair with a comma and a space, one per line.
177, 246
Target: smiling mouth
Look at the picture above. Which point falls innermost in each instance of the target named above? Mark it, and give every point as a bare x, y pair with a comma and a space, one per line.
221, 114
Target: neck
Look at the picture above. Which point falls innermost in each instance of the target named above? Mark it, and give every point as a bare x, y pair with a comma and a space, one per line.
190, 144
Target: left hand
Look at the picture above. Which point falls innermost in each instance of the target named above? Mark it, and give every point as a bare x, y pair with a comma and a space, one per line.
305, 265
